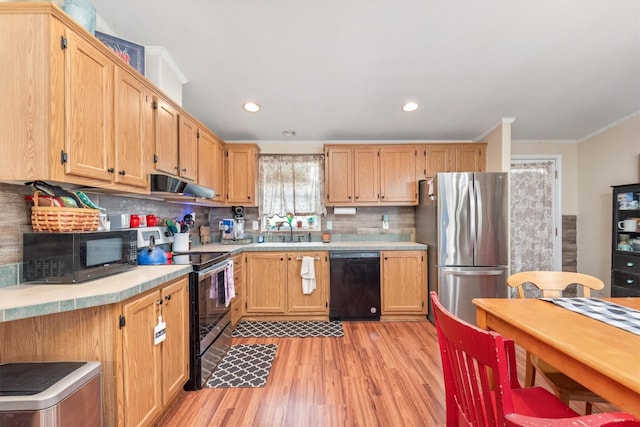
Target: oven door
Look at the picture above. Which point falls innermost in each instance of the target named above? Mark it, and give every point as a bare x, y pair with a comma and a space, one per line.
211, 308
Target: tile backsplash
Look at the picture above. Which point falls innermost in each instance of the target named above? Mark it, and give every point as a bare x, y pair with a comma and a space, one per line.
365, 225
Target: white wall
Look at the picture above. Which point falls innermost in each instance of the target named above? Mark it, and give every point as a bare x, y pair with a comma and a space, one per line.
608, 158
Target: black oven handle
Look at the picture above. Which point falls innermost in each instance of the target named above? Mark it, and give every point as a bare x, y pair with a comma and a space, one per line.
205, 274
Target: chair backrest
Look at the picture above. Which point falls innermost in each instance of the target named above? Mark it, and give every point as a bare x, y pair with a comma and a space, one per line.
479, 371
552, 283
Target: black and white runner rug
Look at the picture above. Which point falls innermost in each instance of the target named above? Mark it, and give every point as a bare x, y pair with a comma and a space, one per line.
244, 366
290, 328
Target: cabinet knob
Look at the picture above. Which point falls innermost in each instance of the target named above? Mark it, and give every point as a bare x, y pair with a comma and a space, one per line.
177, 168
122, 172
184, 169
629, 281
111, 170
159, 301
168, 297
630, 264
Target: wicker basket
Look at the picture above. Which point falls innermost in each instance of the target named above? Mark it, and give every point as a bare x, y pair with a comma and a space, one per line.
53, 218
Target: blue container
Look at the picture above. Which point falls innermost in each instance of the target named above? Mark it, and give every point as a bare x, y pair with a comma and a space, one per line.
82, 12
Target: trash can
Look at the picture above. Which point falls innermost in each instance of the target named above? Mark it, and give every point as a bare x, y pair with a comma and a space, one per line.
50, 394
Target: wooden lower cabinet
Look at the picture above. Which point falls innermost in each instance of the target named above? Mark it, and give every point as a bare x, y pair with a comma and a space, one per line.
154, 374
404, 283
274, 285
139, 380
237, 303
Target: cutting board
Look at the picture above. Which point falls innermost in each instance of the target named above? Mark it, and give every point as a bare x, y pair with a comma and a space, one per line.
205, 234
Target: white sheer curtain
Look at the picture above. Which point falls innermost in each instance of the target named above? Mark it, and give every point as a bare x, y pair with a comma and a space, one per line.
291, 183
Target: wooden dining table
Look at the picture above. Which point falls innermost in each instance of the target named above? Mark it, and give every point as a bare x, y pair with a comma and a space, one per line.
603, 358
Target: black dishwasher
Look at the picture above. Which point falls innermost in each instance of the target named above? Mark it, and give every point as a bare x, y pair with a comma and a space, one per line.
354, 282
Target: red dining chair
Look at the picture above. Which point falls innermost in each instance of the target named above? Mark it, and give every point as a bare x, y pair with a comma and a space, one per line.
482, 387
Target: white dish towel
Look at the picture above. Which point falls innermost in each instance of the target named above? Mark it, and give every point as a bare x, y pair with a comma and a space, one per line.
230, 289
307, 271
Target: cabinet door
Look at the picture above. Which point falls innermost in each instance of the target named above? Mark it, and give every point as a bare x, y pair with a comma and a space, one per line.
366, 174
133, 130
438, 159
468, 157
166, 137
266, 279
175, 349
206, 156
398, 174
219, 172
141, 361
317, 301
88, 110
241, 168
404, 282
339, 175
188, 149
237, 303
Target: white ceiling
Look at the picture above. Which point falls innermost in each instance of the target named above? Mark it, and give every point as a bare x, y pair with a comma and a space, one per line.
341, 69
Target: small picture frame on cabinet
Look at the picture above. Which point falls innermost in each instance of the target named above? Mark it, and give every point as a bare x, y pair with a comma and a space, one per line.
129, 52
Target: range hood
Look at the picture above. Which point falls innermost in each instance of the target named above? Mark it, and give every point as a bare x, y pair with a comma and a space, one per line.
173, 188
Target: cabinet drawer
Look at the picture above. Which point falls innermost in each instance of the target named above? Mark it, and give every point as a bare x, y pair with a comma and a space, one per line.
627, 263
617, 291
626, 280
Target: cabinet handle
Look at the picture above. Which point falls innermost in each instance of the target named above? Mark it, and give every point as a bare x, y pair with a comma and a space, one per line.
349, 197
168, 297
111, 170
122, 172
184, 169
629, 281
357, 197
159, 301
630, 264
382, 197
281, 259
177, 168
289, 258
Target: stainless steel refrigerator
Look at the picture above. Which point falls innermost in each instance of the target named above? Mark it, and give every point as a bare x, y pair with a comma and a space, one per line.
464, 219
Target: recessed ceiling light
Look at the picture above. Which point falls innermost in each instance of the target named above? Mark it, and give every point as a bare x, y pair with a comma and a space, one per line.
410, 106
251, 107
289, 133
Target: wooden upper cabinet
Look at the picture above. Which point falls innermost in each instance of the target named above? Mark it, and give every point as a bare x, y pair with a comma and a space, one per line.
89, 84
206, 153
338, 174
366, 174
219, 172
469, 157
166, 137
451, 157
352, 174
133, 127
242, 164
398, 183
188, 149
211, 164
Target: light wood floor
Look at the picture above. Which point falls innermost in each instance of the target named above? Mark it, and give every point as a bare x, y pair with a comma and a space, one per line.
378, 374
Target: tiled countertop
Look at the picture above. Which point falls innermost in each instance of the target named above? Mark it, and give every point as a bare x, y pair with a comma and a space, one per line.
313, 246
29, 300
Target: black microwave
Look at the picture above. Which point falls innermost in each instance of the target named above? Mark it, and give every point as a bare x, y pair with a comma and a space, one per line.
75, 257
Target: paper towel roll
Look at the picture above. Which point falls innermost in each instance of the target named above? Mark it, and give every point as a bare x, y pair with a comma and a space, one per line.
181, 242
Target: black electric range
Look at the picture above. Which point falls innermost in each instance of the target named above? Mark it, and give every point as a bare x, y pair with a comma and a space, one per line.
200, 260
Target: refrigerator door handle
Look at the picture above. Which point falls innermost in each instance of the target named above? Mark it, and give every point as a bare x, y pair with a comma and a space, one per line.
473, 216
456, 272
